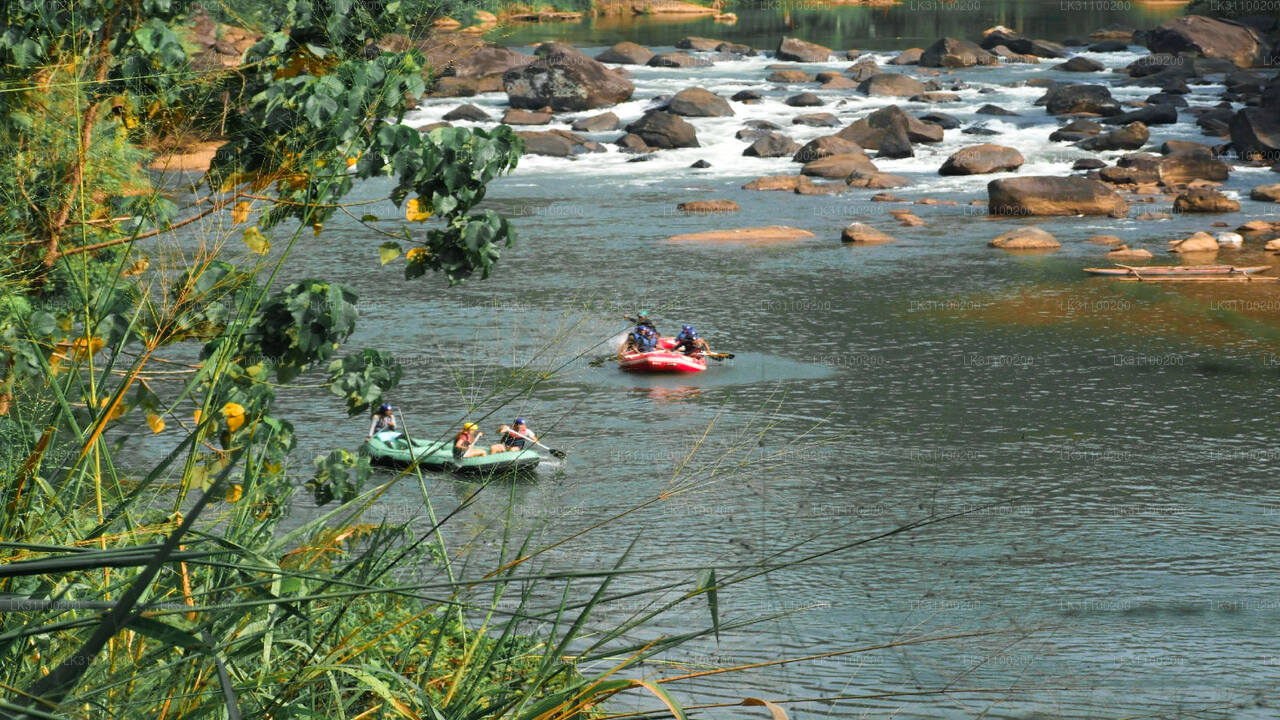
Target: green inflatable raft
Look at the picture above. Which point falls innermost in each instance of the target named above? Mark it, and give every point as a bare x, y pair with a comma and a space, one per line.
394, 449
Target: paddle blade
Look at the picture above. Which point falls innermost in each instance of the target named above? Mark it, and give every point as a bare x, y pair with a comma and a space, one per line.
558, 454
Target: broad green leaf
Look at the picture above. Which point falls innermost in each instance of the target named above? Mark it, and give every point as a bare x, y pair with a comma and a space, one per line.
388, 251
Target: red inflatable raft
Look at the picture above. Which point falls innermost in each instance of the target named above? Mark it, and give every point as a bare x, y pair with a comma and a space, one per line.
662, 361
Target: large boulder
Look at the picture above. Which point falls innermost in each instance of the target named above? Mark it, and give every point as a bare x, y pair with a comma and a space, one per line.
891, 85
955, 53
626, 53
1130, 137
1204, 200
564, 79
1050, 195
825, 146
864, 234
1180, 168
875, 180
772, 145
980, 159
696, 102
839, 166
664, 130
1071, 99
888, 130
1255, 133
800, 51
1210, 38
1025, 238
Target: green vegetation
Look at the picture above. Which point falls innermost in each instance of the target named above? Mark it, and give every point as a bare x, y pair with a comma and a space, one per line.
174, 590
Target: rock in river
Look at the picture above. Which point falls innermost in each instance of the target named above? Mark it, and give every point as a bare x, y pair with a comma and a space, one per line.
596, 123
1050, 195
955, 53
1195, 34
979, 159
564, 79
1204, 200
1025, 238
1266, 193
467, 112
891, 85
1130, 137
800, 51
749, 236
664, 130
708, 206
772, 145
865, 235
626, 53
696, 102
1093, 99
1201, 242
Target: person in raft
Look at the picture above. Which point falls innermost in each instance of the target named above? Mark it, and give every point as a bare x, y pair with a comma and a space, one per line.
383, 419
513, 437
641, 340
689, 343
464, 443
643, 320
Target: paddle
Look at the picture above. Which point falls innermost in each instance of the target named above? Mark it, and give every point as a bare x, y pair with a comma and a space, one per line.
560, 454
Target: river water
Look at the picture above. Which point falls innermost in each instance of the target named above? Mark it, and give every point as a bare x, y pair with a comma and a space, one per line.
1112, 444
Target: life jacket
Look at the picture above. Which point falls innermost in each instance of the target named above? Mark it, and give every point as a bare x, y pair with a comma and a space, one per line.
686, 341
384, 422
645, 341
512, 440
459, 452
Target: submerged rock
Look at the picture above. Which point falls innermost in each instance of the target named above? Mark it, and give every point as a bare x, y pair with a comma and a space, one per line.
1025, 238
753, 235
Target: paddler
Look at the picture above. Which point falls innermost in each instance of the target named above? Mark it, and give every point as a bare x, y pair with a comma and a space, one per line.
689, 343
383, 419
641, 340
643, 320
464, 443
514, 437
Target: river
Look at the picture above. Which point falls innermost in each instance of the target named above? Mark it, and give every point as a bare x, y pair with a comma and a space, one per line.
1111, 444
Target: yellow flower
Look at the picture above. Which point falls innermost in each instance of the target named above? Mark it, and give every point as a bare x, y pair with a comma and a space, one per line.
234, 413
417, 255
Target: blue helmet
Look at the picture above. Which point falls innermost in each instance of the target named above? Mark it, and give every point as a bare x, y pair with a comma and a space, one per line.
519, 421
385, 407
688, 329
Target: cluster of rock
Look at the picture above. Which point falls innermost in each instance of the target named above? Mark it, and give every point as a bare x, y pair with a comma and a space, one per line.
1185, 51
